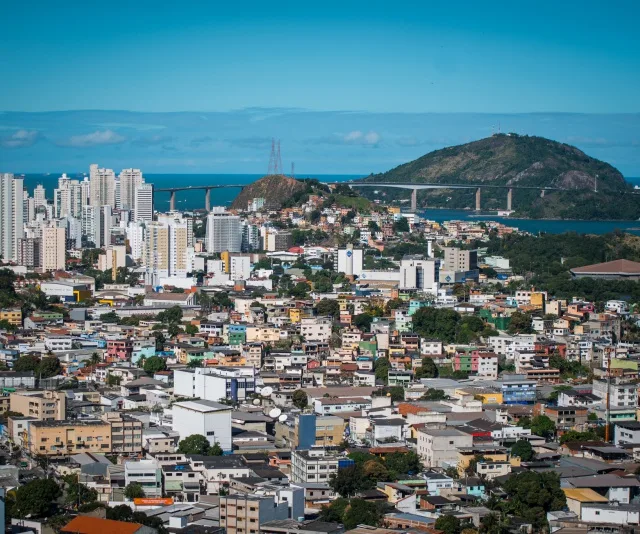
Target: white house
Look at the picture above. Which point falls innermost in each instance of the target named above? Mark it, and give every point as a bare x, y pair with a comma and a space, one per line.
207, 418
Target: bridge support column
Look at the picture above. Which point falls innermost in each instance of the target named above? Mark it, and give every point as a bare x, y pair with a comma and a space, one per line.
172, 201
509, 199
478, 199
207, 200
414, 200
542, 193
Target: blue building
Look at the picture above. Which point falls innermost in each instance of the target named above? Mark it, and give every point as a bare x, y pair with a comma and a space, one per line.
518, 390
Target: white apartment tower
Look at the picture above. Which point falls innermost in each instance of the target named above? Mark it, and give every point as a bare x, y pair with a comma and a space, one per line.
143, 203
103, 186
68, 198
53, 248
224, 231
40, 196
91, 225
130, 180
11, 215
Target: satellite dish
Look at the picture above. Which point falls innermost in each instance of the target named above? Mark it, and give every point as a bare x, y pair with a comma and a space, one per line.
266, 392
256, 402
275, 412
282, 418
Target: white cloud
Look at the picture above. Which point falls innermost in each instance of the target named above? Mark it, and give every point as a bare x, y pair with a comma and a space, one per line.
106, 137
20, 139
357, 137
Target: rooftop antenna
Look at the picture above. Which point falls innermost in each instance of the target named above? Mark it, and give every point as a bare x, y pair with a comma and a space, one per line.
293, 169
278, 169
272, 158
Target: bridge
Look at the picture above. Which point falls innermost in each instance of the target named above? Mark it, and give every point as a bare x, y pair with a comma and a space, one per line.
206, 188
413, 187
478, 187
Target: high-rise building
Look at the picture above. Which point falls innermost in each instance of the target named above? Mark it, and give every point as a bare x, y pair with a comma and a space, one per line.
106, 223
53, 248
419, 273
29, 251
102, 186
250, 237
130, 180
116, 195
278, 240
91, 225
135, 236
11, 215
40, 196
67, 198
28, 208
179, 264
224, 231
143, 203
349, 261
155, 254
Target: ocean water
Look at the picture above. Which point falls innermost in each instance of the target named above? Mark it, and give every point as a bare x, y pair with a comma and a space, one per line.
191, 200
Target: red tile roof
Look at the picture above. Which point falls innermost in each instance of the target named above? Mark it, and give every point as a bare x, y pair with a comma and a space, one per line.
94, 525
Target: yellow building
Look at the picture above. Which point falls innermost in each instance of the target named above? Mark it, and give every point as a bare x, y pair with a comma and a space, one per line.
62, 438
43, 405
486, 397
262, 334
13, 316
492, 454
295, 315
537, 300
226, 261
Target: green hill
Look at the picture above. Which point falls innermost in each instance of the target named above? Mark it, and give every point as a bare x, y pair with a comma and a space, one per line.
519, 161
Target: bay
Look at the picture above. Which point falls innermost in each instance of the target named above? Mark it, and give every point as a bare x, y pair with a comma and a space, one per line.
193, 200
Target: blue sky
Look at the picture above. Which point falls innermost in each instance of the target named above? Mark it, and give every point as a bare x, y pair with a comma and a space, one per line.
371, 67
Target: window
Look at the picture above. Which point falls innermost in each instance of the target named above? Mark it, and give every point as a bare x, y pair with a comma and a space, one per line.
211, 433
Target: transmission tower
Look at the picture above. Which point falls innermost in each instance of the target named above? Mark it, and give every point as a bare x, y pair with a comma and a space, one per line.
272, 158
293, 169
278, 169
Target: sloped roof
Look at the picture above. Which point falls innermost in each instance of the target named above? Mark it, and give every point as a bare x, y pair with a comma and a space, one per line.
610, 267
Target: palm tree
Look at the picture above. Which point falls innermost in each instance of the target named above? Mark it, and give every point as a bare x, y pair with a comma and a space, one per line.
95, 358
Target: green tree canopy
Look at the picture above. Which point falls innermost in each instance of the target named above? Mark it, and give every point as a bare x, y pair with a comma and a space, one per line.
134, 490
48, 367
361, 512
363, 321
195, 444
428, 369
26, 363
300, 399
154, 364
449, 524
37, 498
523, 450
328, 307
542, 426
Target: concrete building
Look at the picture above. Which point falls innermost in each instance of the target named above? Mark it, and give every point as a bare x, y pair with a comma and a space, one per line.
419, 273
130, 180
155, 253
102, 186
54, 248
126, 433
29, 249
349, 261
92, 225
439, 447
11, 215
610, 270
316, 329
12, 316
147, 473
42, 405
244, 514
143, 203
224, 231
278, 240
215, 383
63, 438
207, 418
313, 465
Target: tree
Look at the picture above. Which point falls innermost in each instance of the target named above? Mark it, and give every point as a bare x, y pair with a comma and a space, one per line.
48, 367
37, 498
375, 471
449, 524
134, 491
520, 323
401, 225
381, 369
191, 329
363, 321
428, 369
329, 307
95, 358
361, 512
192, 364
574, 435
334, 512
194, 444
215, 450
154, 364
531, 495
523, 450
121, 512
438, 323
78, 494
300, 399
394, 304
6, 325
434, 395
299, 291
173, 330
403, 463
27, 363
347, 481
542, 426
